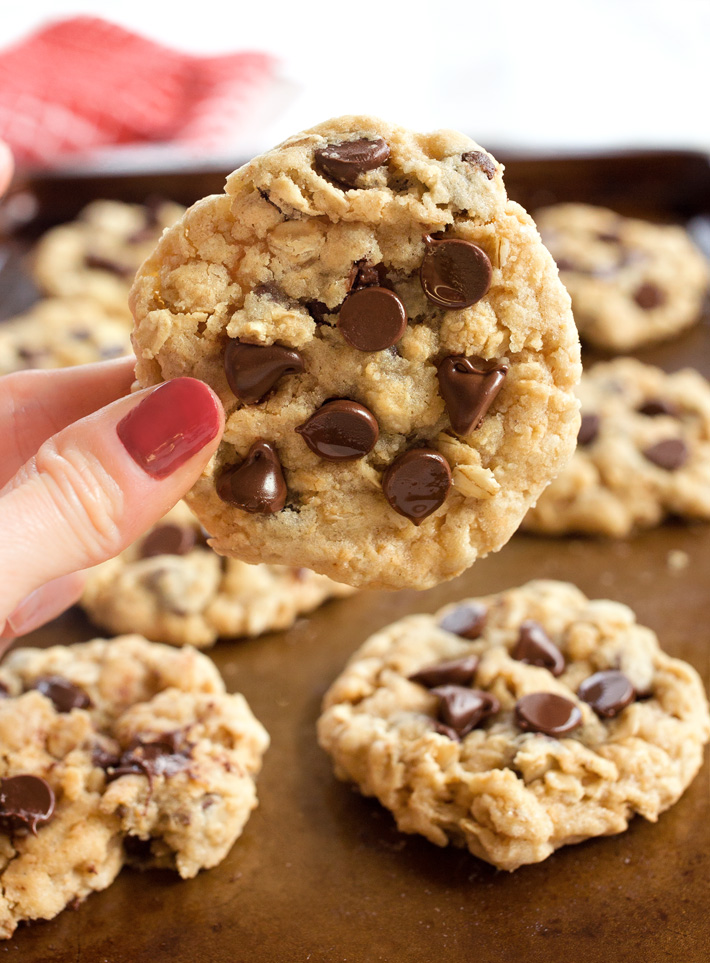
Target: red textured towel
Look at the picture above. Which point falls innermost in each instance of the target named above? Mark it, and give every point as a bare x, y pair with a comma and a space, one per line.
83, 83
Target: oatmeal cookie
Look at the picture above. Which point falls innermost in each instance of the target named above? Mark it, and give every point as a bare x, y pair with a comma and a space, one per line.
116, 752
517, 723
632, 282
392, 346
171, 587
643, 454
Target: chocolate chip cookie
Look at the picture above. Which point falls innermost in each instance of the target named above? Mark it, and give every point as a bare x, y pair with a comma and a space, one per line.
643, 453
632, 282
171, 587
122, 752
59, 333
394, 351
517, 723
97, 255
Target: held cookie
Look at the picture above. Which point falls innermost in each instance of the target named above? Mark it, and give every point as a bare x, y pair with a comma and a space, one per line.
643, 454
517, 723
121, 752
97, 255
171, 587
632, 282
59, 333
394, 351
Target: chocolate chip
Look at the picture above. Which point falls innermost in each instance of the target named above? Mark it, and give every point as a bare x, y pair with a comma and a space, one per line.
372, 319
670, 454
480, 159
658, 406
454, 273
345, 162
103, 758
367, 275
106, 264
270, 291
257, 485
454, 672
548, 713
340, 431
317, 310
607, 692
535, 647
608, 237
469, 387
463, 709
466, 620
417, 483
254, 369
25, 802
168, 539
588, 430
63, 694
160, 757
649, 296
113, 351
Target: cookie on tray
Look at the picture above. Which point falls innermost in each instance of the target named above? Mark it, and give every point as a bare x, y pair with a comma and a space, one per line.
393, 348
643, 454
517, 723
97, 255
59, 333
171, 587
632, 282
113, 753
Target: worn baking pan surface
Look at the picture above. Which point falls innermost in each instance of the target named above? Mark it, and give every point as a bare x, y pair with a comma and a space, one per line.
320, 873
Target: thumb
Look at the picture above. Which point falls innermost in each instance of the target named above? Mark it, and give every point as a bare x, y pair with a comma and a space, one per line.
95, 486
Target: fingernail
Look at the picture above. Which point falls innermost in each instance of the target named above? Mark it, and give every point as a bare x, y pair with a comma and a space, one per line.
170, 425
26, 612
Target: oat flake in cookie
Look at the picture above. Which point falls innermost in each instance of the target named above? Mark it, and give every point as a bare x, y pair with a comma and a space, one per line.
113, 753
642, 455
407, 391
558, 722
632, 282
171, 587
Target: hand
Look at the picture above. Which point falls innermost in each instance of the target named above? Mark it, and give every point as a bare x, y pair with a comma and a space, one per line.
85, 469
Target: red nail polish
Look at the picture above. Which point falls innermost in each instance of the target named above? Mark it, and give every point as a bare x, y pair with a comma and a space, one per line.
170, 425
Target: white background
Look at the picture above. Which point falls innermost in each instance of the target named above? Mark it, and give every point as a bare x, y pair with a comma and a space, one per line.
534, 74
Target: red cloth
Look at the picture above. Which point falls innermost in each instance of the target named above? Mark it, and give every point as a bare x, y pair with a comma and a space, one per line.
84, 83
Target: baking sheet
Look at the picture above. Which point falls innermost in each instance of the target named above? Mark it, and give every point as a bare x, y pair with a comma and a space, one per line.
321, 874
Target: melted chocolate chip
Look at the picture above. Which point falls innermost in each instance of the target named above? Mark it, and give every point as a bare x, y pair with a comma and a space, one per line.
469, 387
417, 483
160, 757
25, 802
467, 620
367, 275
340, 431
607, 692
658, 406
480, 159
535, 647
106, 264
453, 672
345, 162
372, 319
254, 369
318, 310
649, 296
670, 454
588, 430
463, 709
257, 485
63, 694
548, 713
103, 758
168, 539
454, 273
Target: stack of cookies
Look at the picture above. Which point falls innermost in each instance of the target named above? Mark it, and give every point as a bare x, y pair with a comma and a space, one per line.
401, 376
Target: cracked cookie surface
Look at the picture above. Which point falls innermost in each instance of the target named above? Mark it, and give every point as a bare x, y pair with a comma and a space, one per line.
643, 454
632, 282
171, 587
146, 760
448, 720
394, 266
